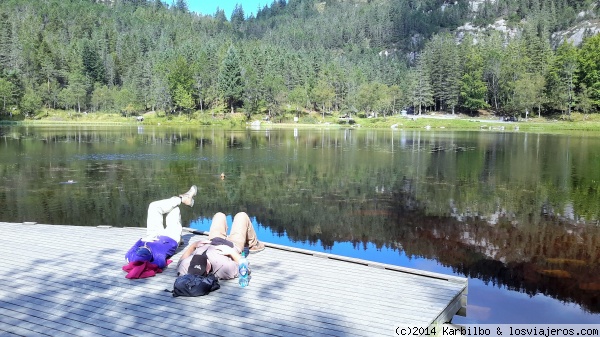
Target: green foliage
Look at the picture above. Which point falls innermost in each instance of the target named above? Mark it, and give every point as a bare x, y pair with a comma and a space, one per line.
562, 78
473, 92
585, 100
92, 64
103, 98
589, 68
528, 89
181, 84
30, 103
419, 86
230, 78
125, 101
181, 6
297, 55
444, 63
7, 93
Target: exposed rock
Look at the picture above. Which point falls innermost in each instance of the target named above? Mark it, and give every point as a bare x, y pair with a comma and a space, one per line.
476, 3
500, 25
588, 25
577, 33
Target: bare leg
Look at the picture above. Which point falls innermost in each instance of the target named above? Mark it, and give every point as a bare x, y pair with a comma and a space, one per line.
242, 232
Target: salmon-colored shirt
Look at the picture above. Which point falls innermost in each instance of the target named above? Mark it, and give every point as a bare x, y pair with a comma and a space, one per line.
222, 266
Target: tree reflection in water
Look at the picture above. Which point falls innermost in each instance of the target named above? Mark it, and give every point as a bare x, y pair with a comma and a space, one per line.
515, 210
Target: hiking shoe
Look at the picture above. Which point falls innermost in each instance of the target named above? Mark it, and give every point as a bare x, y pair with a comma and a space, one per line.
188, 197
258, 247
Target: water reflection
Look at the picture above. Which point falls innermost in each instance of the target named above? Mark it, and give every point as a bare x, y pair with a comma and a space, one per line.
518, 211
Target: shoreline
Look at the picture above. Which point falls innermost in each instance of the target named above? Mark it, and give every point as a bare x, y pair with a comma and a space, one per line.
432, 121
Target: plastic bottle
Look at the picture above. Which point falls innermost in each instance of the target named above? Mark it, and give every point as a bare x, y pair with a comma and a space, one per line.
244, 271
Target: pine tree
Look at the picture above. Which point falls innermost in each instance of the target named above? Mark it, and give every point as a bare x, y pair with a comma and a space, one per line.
230, 78
237, 17
6, 37
92, 64
181, 6
420, 87
443, 61
473, 90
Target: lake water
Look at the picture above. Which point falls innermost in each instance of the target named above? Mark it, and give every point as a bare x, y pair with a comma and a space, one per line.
516, 213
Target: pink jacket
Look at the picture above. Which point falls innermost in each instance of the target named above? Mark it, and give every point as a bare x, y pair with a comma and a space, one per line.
142, 269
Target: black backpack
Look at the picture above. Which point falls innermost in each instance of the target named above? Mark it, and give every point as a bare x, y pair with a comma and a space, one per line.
195, 285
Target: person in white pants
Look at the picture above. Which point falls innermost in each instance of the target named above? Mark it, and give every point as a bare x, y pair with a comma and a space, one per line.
156, 214
161, 241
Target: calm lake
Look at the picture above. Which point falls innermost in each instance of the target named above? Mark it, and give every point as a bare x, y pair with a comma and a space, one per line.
516, 213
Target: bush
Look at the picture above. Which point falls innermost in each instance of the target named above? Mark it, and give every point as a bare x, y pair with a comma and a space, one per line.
308, 120
31, 103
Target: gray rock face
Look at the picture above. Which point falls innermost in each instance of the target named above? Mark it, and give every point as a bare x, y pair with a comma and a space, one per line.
577, 33
588, 24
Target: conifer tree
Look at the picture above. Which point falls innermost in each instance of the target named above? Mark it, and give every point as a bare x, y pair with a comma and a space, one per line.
230, 78
473, 90
420, 87
5, 42
92, 64
237, 17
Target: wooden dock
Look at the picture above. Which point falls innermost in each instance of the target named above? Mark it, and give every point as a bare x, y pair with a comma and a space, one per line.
67, 281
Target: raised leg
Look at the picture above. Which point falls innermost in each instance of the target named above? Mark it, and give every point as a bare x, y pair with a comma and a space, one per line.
242, 232
218, 227
173, 221
156, 211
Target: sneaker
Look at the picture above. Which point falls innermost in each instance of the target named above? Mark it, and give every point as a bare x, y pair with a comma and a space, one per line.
258, 247
188, 197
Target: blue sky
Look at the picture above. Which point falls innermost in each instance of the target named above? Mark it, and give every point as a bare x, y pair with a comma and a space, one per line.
209, 7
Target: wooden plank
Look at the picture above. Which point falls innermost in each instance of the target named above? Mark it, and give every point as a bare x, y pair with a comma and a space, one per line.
69, 281
17, 324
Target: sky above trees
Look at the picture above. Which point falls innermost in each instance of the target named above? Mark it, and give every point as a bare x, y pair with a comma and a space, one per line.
209, 7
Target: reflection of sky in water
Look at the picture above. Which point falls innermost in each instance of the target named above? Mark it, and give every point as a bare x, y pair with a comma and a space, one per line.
487, 304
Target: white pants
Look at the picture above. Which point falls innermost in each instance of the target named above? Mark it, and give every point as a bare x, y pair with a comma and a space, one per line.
156, 214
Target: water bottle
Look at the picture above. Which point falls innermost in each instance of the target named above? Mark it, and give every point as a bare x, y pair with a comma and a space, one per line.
244, 271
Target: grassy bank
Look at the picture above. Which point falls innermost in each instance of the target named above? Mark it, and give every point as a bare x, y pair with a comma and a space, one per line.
433, 121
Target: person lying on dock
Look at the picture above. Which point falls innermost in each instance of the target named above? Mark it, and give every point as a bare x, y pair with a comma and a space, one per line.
220, 253
161, 242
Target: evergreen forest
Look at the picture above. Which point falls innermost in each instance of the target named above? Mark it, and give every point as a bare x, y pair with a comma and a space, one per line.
335, 57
